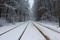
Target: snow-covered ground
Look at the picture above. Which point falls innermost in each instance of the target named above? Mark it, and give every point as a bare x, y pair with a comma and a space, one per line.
51, 25
52, 35
31, 32
9, 27
13, 34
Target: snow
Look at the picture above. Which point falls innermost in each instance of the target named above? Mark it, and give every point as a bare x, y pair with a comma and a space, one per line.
51, 25
14, 34
51, 34
8, 27
31, 32
2, 22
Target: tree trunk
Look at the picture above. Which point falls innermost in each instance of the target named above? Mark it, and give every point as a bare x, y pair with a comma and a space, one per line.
59, 21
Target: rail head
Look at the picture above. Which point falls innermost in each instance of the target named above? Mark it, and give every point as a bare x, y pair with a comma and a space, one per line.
45, 36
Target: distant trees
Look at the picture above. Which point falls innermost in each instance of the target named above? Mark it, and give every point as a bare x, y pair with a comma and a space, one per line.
14, 10
58, 10
42, 7
1, 2
40, 13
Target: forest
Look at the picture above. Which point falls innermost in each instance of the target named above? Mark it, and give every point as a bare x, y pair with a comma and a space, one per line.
18, 11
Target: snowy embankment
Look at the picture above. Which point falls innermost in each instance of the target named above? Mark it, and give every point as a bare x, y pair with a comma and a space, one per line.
51, 25
3, 22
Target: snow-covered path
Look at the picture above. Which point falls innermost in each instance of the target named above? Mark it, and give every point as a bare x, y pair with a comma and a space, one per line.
31, 31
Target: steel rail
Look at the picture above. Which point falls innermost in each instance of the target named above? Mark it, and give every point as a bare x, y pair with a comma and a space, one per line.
23, 32
10, 29
48, 28
45, 36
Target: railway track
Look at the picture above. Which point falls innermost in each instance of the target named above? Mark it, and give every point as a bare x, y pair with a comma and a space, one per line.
11, 29
23, 32
49, 28
47, 32
33, 31
45, 36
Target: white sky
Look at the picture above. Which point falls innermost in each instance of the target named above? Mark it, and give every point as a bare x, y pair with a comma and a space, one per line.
31, 2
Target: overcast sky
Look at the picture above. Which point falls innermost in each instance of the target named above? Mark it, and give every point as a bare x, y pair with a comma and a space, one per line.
31, 2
